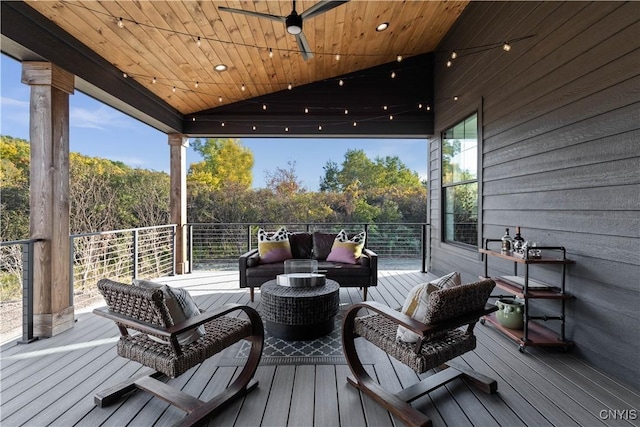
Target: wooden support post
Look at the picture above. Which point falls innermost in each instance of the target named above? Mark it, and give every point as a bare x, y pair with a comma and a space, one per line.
49, 195
178, 198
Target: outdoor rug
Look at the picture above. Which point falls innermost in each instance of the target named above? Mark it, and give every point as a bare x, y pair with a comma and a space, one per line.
326, 350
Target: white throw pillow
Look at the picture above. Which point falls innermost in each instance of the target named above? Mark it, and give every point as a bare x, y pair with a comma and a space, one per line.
417, 303
181, 307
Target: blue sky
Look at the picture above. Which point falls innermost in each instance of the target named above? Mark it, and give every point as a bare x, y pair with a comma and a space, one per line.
98, 130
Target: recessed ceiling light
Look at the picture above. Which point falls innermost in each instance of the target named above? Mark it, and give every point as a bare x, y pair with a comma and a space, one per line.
382, 27
220, 67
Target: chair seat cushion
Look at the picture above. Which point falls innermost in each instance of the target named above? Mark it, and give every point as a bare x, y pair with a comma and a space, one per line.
381, 332
220, 334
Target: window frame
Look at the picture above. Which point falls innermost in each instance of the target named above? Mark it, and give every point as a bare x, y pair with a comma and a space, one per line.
463, 248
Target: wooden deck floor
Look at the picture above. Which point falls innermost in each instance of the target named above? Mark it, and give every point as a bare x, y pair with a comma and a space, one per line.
52, 382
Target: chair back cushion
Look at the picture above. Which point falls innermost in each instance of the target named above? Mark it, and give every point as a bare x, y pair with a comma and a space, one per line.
445, 304
301, 245
416, 305
180, 306
322, 244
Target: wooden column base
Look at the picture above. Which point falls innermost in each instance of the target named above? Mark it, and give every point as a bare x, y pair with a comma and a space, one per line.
49, 325
182, 267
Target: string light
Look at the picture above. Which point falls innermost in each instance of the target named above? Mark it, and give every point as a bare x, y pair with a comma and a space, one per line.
196, 85
254, 127
506, 47
174, 89
154, 81
320, 127
306, 110
420, 106
219, 99
391, 117
428, 108
243, 87
337, 57
449, 63
341, 82
125, 75
222, 124
199, 42
455, 98
193, 119
454, 55
289, 86
381, 27
346, 111
393, 74
399, 58
384, 107
264, 106
355, 124
270, 53
286, 129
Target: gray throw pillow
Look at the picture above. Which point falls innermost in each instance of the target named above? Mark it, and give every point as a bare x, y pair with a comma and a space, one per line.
181, 307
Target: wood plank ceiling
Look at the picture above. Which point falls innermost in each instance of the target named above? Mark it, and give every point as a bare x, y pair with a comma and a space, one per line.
171, 47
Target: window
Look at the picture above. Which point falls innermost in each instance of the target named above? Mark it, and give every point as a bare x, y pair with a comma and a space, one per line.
460, 182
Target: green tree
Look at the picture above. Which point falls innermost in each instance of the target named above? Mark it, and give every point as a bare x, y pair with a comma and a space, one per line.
367, 174
225, 162
14, 186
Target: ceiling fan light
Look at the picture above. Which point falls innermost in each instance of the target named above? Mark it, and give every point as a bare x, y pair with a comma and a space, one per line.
294, 23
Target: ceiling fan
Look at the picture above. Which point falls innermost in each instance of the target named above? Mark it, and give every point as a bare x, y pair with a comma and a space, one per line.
293, 22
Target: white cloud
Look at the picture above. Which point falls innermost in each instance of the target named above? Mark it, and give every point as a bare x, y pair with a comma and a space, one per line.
11, 102
101, 118
15, 116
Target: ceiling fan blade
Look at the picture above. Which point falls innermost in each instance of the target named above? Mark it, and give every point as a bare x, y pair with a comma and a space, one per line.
321, 7
251, 13
304, 47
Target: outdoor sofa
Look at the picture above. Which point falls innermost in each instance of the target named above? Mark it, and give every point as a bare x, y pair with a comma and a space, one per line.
254, 271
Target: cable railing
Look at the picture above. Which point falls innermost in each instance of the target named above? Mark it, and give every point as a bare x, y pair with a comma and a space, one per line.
123, 255
216, 245
149, 252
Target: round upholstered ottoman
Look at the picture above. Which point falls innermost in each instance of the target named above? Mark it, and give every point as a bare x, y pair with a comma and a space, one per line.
299, 313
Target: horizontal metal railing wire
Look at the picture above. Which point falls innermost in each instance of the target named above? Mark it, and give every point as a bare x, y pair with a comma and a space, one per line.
121, 255
213, 245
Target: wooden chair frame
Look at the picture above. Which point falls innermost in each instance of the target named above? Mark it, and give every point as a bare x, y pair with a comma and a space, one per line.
398, 403
198, 410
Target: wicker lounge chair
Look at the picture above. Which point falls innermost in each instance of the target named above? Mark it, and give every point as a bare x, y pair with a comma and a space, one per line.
145, 310
440, 341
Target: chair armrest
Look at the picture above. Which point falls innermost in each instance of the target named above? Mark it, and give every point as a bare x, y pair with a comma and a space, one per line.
373, 265
172, 333
244, 263
244, 258
420, 328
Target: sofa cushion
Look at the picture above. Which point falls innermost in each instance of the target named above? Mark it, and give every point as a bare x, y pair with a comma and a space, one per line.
301, 245
274, 247
322, 244
181, 307
345, 249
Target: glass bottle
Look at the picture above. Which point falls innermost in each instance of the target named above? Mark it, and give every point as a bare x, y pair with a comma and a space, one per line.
518, 241
506, 242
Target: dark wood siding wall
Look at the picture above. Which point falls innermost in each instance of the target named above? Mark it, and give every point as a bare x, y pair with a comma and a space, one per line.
560, 155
